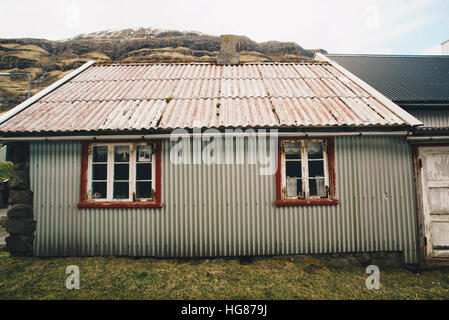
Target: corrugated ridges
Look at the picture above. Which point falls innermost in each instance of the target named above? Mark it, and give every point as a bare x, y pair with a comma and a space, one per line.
169, 96
403, 79
228, 210
209, 113
432, 118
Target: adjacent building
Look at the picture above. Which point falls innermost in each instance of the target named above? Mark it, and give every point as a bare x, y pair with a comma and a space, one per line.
420, 85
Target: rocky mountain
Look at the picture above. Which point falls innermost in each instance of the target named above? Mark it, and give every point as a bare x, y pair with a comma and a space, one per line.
48, 61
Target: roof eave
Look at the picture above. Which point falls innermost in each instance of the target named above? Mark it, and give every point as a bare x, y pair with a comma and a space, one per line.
161, 136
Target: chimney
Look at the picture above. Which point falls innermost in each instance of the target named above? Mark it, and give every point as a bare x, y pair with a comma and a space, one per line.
228, 51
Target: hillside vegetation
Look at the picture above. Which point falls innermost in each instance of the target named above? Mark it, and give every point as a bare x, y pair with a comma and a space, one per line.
48, 61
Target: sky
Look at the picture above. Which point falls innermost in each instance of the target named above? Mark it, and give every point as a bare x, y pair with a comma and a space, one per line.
343, 26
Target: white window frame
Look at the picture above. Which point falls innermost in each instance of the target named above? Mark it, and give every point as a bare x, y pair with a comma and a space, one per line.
305, 169
110, 172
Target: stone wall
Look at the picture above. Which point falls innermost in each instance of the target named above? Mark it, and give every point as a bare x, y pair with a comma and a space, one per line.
20, 223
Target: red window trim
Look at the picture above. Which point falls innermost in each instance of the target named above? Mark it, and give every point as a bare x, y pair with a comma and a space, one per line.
84, 203
280, 202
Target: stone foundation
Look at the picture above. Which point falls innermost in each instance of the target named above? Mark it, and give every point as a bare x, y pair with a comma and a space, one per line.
20, 223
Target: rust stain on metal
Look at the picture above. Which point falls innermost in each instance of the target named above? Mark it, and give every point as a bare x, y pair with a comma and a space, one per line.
124, 97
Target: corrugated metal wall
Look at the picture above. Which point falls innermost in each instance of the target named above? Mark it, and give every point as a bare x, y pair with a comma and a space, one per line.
432, 118
227, 210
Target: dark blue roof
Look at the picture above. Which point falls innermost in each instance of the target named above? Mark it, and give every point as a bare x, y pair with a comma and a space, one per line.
403, 79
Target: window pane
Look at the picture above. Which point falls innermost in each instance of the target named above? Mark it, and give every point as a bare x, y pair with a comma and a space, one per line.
299, 187
317, 187
316, 168
292, 150
144, 153
99, 171
143, 190
98, 190
100, 154
143, 171
121, 171
293, 169
314, 150
121, 190
121, 153
294, 187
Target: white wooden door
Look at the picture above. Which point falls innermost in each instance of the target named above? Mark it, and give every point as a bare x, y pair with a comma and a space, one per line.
435, 197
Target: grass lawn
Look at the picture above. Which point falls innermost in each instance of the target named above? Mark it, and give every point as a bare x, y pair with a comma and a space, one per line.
269, 278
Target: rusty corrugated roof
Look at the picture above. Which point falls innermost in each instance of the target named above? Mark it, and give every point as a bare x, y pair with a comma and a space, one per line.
167, 96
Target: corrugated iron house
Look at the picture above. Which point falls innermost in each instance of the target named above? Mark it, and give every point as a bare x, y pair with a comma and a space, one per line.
105, 183
420, 85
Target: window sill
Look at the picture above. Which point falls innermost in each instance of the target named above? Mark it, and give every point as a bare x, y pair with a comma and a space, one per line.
310, 202
113, 204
